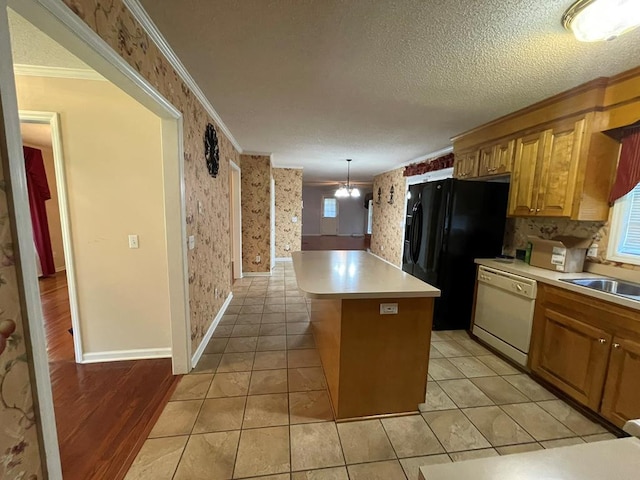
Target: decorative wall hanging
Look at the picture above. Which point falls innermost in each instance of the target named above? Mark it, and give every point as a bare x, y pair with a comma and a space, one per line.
211, 150
391, 192
439, 163
379, 196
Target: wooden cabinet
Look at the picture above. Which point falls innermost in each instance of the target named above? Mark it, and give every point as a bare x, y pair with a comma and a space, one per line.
466, 165
590, 350
496, 159
621, 400
573, 356
523, 193
545, 171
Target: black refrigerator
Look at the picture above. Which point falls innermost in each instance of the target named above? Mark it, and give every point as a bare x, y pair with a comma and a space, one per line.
449, 224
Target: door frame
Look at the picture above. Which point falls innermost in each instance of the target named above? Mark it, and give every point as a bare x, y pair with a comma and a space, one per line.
53, 120
59, 22
236, 220
272, 227
337, 217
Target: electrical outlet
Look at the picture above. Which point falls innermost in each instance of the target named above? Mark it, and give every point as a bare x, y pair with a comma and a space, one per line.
200, 208
216, 293
192, 242
388, 309
593, 251
287, 247
382, 248
133, 241
257, 258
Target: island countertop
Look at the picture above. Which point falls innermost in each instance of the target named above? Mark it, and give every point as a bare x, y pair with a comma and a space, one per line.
354, 274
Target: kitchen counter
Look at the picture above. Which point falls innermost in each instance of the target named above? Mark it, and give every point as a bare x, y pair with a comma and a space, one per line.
354, 274
550, 277
372, 325
619, 459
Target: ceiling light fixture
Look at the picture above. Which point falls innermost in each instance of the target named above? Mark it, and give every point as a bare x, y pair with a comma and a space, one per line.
598, 20
346, 190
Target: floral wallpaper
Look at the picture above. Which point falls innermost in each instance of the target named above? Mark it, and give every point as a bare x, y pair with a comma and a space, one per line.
388, 219
255, 178
19, 449
210, 262
288, 204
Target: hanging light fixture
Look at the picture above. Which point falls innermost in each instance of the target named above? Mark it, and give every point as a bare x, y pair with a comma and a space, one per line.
346, 190
598, 20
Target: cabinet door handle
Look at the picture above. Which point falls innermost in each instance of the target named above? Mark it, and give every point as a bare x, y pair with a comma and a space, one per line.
537, 209
602, 341
616, 345
531, 210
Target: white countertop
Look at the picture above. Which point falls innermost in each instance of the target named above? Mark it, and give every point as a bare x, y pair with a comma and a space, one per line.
354, 274
518, 267
611, 459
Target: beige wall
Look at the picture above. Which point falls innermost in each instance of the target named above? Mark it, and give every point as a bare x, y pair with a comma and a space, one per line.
288, 205
52, 206
388, 219
256, 212
113, 166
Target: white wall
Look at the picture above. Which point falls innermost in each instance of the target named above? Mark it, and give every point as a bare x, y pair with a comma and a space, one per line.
352, 216
113, 165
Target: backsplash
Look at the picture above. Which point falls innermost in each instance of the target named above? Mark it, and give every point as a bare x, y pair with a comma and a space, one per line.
517, 230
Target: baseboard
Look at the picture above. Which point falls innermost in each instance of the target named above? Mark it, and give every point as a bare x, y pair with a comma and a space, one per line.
284, 259
311, 235
60, 269
195, 358
121, 355
354, 235
256, 274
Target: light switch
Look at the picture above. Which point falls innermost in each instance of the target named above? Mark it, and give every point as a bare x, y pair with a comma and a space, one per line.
192, 242
200, 208
133, 241
388, 309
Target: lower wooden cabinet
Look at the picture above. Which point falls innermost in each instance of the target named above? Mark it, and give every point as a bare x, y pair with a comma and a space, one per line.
573, 356
621, 400
590, 350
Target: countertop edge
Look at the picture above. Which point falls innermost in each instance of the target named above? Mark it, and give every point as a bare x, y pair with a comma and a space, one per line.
367, 295
554, 278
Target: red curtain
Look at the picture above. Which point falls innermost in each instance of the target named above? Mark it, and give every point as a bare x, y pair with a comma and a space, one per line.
628, 175
429, 166
38, 194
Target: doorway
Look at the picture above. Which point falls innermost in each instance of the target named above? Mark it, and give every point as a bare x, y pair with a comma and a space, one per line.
235, 221
329, 216
58, 22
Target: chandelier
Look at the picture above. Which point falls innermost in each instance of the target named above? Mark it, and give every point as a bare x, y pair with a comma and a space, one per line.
346, 190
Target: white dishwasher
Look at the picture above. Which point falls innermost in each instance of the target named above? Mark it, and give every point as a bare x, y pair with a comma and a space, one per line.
504, 312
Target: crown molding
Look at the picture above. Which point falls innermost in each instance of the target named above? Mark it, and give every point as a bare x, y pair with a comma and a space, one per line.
141, 15
289, 167
255, 153
57, 72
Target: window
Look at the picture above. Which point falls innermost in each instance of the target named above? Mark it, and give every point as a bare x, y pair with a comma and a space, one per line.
329, 207
624, 244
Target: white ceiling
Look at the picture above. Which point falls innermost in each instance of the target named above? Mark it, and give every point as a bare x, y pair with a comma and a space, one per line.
29, 46
382, 82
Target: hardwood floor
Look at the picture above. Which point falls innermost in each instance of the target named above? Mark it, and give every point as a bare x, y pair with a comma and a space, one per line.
104, 411
334, 242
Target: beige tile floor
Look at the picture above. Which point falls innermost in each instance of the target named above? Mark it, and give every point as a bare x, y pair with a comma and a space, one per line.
256, 406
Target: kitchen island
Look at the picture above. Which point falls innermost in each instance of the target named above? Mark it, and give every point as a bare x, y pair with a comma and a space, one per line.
372, 325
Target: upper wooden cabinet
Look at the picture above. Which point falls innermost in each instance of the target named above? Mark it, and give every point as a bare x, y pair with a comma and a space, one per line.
561, 162
590, 350
496, 159
466, 165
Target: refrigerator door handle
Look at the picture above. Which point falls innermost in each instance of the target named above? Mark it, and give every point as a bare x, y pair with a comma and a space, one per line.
416, 233
444, 236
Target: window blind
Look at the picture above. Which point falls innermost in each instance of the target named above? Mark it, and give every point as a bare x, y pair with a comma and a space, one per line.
630, 238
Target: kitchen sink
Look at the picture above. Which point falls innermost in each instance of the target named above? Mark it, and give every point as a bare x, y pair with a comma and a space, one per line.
609, 285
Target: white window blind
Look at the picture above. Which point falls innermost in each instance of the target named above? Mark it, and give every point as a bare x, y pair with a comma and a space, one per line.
629, 240
330, 208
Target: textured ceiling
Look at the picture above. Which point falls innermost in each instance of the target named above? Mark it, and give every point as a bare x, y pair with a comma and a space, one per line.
382, 82
30, 46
